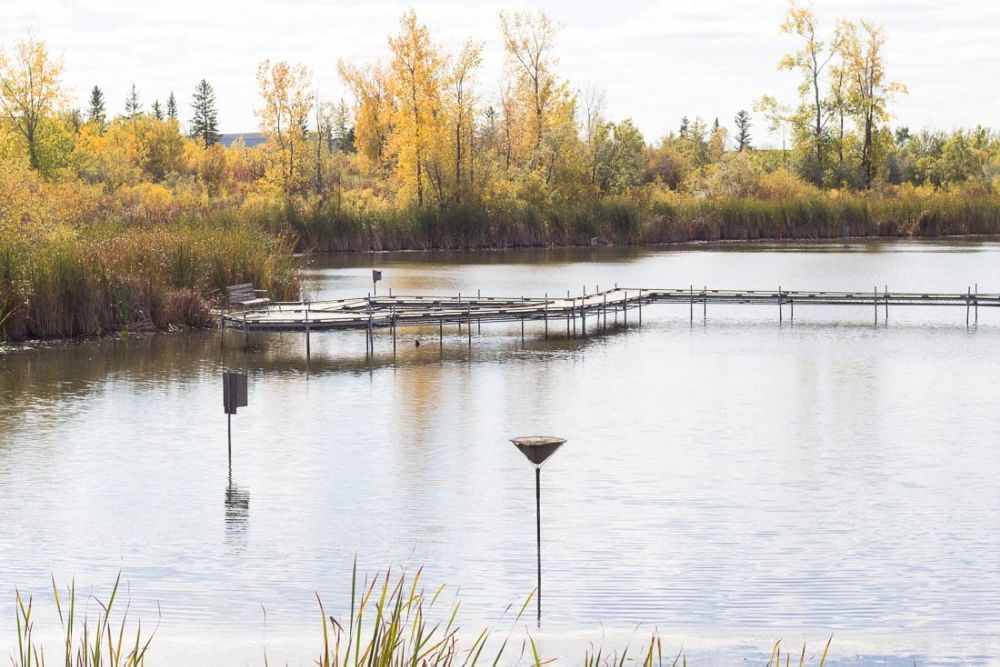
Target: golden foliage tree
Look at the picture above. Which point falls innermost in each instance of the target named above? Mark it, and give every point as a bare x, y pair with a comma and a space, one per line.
539, 111
415, 84
29, 90
810, 61
285, 91
870, 89
372, 111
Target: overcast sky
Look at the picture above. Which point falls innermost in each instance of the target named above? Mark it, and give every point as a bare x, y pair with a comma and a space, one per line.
657, 61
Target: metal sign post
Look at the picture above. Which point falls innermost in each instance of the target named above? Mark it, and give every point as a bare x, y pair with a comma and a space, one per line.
376, 276
537, 449
234, 395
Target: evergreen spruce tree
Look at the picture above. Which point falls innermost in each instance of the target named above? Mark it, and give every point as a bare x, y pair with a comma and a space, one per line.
343, 133
133, 107
742, 122
95, 112
685, 127
171, 107
205, 123
157, 111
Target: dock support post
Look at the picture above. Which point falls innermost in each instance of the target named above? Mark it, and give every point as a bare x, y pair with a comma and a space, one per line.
583, 314
968, 304
546, 316
875, 300
307, 332
441, 334
522, 323
780, 313
572, 311
885, 289
791, 307
976, 295
479, 320
625, 309
640, 306
605, 311
704, 303
469, 328
392, 323
691, 293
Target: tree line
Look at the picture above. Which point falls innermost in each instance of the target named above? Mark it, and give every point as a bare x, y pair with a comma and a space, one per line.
423, 130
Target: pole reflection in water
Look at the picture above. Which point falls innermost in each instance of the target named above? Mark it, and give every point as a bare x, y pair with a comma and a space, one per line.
237, 515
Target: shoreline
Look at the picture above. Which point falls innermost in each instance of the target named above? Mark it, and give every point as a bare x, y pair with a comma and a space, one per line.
763, 244
696, 244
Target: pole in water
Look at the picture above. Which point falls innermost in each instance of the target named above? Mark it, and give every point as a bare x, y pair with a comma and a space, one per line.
885, 289
704, 303
546, 316
537, 449
307, 332
691, 294
780, 315
640, 306
968, 303
625, 309
229, 438
977, 304
875, 300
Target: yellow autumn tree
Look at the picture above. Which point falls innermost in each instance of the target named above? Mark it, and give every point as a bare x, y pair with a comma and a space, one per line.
539, 110
415, 86
462, 109
30, 91
869, 88
372, 112
285, 91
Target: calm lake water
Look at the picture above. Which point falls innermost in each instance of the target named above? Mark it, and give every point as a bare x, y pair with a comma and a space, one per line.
730, 483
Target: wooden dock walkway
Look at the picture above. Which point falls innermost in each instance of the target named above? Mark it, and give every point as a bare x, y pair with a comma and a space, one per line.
576, 312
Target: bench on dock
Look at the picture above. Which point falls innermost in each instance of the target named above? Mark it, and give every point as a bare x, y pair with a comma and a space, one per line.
246, 296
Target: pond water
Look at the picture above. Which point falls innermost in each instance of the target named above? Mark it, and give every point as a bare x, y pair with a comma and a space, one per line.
729, 483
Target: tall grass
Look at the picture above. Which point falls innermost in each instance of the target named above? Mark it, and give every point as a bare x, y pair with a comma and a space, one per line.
391, 622
106, 641
639, 219
61, 282
388, 624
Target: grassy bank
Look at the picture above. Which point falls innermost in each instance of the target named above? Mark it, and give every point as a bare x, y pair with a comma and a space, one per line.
391, 620
638, 220
60, 281
78, 259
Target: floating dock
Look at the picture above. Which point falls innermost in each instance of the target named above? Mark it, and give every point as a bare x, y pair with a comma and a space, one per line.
380, 312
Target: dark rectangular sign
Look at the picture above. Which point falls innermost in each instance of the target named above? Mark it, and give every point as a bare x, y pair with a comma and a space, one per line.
234, 391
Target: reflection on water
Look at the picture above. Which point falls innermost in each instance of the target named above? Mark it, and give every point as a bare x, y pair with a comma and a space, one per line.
237, 511
731, 482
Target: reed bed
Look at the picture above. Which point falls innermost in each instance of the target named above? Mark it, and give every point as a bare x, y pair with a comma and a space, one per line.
640, 220
61, 282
